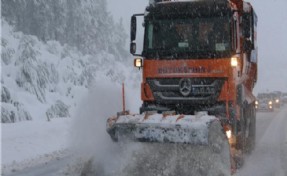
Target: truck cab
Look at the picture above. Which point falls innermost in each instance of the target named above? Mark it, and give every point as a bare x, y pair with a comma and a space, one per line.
197, 55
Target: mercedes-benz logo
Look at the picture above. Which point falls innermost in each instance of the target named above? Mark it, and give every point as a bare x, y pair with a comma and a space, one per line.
185, 86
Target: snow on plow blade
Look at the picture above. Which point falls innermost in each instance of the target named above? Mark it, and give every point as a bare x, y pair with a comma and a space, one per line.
159, 128
173, 144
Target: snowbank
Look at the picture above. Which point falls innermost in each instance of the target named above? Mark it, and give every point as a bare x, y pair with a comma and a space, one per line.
28, 143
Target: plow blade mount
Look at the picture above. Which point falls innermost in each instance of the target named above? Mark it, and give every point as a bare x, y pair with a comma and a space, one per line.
173, 144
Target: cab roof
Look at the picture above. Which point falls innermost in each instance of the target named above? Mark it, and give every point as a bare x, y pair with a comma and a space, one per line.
204, 8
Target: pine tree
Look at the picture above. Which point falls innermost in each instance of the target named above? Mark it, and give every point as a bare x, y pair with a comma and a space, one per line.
83, 24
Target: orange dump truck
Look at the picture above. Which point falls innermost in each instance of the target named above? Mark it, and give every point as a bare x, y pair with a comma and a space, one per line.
198, 57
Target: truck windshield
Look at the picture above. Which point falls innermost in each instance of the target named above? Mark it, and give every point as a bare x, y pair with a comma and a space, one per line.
190, 37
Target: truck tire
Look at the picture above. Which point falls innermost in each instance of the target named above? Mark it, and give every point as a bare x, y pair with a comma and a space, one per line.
250, 143
247, 134
240, 138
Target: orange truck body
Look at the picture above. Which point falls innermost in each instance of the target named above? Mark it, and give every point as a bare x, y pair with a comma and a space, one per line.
220, 83
204, 68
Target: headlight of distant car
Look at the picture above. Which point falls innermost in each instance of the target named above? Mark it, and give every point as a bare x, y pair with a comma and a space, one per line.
270, 107
270, 102
256, 102
277, 101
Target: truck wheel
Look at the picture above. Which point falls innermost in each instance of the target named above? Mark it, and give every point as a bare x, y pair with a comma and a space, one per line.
250, 142
240, 139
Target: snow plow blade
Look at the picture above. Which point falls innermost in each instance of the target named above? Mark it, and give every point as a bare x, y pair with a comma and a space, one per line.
178, 144
159, 128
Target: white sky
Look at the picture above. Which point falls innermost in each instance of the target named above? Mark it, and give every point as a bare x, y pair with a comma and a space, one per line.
272, 37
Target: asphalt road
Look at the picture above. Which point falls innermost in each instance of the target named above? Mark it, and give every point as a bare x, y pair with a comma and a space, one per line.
270, 155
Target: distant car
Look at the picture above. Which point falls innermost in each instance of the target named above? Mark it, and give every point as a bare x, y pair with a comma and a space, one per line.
264, 102
276, 96
284, 98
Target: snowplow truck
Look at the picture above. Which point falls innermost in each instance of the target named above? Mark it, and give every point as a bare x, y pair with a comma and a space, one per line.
199, 67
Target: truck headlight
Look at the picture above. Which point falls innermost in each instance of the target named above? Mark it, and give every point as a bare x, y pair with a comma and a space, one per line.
234, 61
256, 102
270, 102
228, 134
277, 100
138, 62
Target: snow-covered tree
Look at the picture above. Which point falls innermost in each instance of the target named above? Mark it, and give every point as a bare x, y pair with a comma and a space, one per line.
84, 24
54, 52
47, 79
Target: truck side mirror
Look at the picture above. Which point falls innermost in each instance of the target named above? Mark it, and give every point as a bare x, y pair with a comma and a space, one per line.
133, 48
133, 28
248, 32
246, 25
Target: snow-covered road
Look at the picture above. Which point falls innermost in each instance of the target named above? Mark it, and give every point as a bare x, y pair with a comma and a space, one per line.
32, 144
268, 159
50, 168
270, 155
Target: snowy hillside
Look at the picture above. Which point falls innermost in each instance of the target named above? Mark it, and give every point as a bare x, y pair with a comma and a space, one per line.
47, 80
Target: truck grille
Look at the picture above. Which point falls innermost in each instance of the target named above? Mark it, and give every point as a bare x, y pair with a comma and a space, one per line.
198, 90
